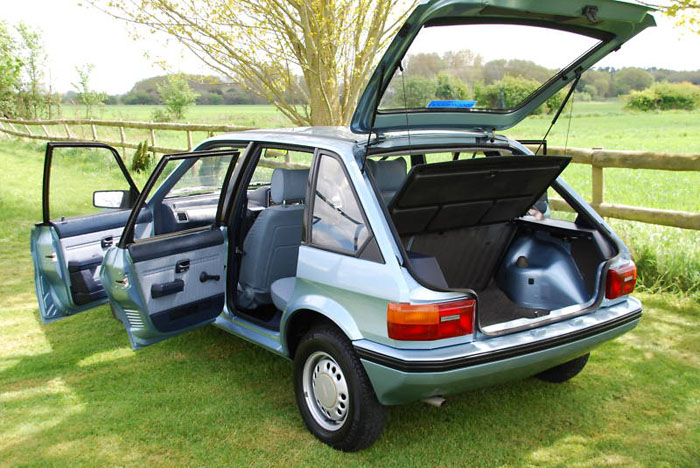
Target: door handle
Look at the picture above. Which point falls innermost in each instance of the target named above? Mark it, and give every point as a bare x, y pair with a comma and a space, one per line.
182, 266
107, 242
204, 276
166, 289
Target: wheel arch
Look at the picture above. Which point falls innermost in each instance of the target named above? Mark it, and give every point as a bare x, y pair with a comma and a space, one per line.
310, 310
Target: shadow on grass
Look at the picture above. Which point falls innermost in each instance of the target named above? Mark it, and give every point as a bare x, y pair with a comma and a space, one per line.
207, 398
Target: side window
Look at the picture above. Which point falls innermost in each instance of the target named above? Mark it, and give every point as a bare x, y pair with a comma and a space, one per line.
204, 176
337, 221
272, 158
85, 181
184, 192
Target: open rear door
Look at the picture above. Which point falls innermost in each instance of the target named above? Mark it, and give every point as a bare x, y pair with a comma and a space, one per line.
165, 285
87, 197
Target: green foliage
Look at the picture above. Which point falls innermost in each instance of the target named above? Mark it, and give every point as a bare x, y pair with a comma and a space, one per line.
665, 96
419, 92
450, 88
598, 83
177, 95
10, 72
32, 101
505, 93
632, 79
142, 159
86, 95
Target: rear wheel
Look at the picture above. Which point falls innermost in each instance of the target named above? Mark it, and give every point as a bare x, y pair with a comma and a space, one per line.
335, 397
566, 371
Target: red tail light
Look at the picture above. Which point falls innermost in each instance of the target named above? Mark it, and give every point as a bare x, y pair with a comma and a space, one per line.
423, 322
621, 280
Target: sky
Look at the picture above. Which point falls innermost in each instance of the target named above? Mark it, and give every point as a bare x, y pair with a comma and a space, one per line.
75, 35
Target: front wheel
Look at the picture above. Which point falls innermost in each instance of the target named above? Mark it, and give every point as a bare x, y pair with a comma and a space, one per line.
334, 394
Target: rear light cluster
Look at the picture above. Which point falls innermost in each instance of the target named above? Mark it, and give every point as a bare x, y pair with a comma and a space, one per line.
423, 322
621, 280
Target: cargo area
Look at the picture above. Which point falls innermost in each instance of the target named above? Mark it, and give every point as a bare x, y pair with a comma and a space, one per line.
468, 225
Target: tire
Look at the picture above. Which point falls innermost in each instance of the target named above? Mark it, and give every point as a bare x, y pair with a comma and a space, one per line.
333, 392
566, 371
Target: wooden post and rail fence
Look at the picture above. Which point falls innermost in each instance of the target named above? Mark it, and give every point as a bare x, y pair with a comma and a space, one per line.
598, 159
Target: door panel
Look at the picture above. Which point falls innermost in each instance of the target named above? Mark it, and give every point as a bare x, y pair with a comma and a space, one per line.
68, 261
163, 287
171, 283
68, 251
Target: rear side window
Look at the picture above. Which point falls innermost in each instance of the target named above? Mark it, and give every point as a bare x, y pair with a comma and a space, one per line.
337, 221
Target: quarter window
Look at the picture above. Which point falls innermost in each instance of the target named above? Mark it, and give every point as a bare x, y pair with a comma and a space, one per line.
337, 221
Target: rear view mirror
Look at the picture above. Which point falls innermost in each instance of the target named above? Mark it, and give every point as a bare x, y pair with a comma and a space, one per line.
111, 199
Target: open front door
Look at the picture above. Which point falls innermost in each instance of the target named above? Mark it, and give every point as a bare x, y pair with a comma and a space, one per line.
87, 197
173, 282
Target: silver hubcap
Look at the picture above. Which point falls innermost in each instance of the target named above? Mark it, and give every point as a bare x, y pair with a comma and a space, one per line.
325, 391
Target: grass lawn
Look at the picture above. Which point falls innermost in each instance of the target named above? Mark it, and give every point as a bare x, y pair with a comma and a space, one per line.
73, 393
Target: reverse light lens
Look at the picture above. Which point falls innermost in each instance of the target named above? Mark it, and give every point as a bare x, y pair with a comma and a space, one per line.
621, 280
423, 322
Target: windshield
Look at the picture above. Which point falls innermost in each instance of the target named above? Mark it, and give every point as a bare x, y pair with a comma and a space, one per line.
481, 66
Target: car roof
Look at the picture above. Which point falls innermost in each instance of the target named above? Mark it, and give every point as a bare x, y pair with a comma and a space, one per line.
352, 146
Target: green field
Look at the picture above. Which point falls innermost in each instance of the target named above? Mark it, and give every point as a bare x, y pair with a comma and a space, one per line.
74, 394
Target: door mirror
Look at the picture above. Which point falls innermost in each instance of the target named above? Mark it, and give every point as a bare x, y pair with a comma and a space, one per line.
111, 199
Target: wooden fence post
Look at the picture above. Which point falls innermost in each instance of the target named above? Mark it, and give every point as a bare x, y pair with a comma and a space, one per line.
597, 185
94, 132
122, 136
68, 134
189, 140
29, 130
597, 181
46, 130
153, 142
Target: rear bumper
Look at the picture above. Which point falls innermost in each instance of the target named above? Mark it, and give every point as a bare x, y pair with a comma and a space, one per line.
403, 375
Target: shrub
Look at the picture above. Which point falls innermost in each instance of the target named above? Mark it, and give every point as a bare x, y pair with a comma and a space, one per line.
511, 91
450, 88
160, 115
142, 159
505, 93
419, 92
665, 96
632, 79
177, 95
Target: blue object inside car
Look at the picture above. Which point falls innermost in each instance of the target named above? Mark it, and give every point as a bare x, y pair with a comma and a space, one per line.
453, 103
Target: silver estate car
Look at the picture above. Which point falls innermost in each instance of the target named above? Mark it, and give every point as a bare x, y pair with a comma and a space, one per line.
413, 254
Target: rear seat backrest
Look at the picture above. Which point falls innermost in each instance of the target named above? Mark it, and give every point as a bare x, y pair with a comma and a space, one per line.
389, 176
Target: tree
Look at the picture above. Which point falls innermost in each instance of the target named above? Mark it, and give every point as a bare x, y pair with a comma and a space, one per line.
450, 88
418, 93
177, 95
632, 79
32, 97
600, 81
425, 65
10, 70
86, 95
263, 44
686, 12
